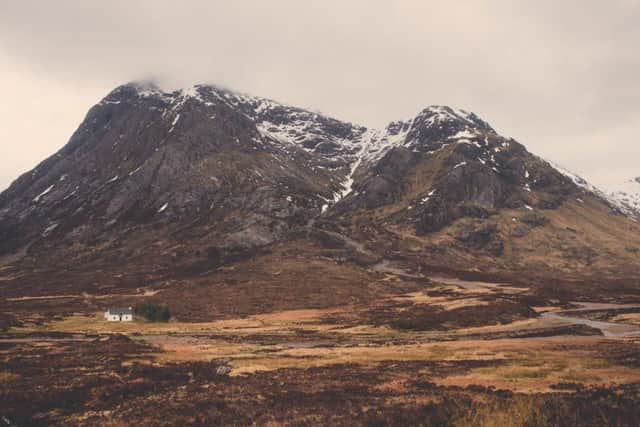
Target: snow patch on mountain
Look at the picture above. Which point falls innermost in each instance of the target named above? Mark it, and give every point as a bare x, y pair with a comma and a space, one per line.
347, 184
626, 198
577, 179
44, 193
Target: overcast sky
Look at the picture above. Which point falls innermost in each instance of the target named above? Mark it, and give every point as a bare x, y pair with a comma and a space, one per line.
562, 77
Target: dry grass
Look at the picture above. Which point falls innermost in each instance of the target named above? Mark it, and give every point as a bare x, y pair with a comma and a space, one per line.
630, 318
321, 356
8, 376
513, 326
450, 302
536, 368
518, 412
419, 297
528, 365
466, 286
271, 322
532, 365
176, 350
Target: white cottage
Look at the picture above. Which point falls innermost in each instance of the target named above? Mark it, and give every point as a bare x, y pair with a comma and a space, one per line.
119, 314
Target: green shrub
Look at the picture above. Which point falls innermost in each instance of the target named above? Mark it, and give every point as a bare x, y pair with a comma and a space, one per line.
153, 312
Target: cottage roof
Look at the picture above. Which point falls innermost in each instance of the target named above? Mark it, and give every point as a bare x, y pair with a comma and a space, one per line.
120, 310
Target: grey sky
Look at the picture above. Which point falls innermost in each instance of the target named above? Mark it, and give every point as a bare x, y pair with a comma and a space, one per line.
559, 76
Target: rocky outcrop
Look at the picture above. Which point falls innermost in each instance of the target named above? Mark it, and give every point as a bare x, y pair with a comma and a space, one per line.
482, 235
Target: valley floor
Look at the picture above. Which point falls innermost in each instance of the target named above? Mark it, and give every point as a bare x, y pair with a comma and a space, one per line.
454, 353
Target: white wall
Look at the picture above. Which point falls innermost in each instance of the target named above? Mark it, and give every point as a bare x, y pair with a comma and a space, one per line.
119, 318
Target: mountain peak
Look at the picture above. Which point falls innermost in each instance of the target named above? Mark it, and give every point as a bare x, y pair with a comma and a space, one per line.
442, 115
207, 171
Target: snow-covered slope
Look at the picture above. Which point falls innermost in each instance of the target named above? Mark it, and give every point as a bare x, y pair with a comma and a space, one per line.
577, 179
625, 197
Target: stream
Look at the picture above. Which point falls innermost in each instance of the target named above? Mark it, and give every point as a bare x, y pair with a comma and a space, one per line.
608, 329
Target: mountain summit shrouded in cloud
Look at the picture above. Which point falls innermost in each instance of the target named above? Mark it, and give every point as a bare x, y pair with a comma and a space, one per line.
540, 72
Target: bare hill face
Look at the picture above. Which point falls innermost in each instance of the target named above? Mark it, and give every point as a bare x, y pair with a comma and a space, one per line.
142, 156
207, 186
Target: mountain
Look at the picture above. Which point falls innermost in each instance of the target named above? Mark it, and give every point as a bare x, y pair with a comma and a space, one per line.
206, 195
